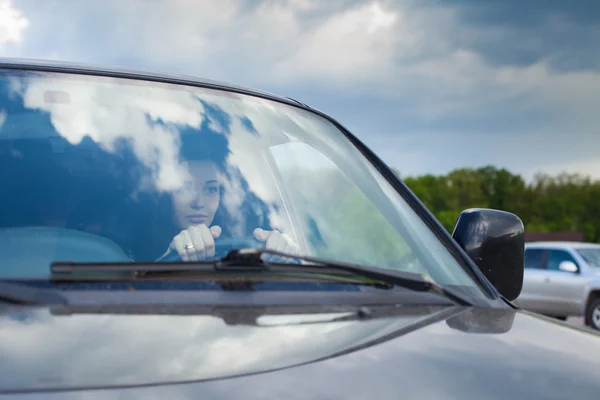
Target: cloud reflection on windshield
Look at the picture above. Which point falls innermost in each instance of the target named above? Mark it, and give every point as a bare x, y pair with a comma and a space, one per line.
163, 347
152, 118
107, 112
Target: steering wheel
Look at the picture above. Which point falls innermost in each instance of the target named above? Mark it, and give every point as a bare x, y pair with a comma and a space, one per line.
223, 247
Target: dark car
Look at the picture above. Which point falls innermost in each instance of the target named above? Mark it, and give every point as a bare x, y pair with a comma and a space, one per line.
168, 237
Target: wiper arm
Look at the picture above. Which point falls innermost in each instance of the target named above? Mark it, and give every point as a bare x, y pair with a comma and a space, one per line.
14, 293
251, 260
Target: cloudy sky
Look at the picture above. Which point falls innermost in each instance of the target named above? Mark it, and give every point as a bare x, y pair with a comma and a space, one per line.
429, 85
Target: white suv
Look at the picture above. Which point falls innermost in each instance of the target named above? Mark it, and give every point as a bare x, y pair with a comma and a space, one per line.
562, 279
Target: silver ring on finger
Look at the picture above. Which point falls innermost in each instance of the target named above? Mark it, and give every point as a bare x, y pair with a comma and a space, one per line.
190, 250
189, 247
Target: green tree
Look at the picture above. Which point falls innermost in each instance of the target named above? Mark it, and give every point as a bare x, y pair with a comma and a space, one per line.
567, 202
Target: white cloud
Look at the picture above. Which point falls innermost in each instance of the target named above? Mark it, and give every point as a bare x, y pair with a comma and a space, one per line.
417, 59
355, 43
12, 23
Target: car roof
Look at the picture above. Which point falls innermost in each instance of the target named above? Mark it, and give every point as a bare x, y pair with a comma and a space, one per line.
140, 74
562, 245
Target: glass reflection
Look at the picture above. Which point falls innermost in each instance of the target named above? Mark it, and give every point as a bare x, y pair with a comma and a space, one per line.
168, 348
161, 169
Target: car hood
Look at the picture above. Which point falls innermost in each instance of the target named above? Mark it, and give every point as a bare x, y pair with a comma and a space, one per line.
461, 353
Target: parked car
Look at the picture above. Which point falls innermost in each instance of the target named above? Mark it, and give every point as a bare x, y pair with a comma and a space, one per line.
562, 279
167, 237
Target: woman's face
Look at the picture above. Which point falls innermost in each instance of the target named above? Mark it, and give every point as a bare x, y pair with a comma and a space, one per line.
198, 205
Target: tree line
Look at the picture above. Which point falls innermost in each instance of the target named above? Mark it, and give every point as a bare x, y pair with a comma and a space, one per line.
567, 202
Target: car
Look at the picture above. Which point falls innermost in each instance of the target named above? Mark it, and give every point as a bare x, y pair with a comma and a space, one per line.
562, 279
164, 236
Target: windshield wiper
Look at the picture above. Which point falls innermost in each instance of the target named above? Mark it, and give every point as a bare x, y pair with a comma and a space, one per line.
250, 260
244, 258
14, 293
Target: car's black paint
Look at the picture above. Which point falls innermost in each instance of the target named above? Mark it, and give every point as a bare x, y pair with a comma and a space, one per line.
495, 241
475, 354
137, 74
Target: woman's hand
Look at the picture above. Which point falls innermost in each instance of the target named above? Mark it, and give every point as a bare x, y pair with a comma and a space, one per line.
277, 241
196, 243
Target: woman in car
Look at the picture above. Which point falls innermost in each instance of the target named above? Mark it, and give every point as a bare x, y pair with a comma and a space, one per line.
198, 217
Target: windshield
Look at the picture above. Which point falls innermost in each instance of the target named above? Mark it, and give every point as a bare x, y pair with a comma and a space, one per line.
591, 256
102, 169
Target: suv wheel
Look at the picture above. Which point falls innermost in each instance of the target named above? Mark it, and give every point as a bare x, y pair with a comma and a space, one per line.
592, 314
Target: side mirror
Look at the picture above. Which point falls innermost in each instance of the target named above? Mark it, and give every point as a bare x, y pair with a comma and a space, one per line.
495, 241
568, 266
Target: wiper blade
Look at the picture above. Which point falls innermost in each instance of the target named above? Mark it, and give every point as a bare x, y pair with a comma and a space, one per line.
251, 260
14, 293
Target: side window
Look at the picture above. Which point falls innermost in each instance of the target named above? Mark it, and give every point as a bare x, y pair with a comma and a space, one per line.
534, 258
555, 257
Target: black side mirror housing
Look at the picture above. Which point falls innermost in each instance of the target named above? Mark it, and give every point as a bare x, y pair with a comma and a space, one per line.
495, 241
